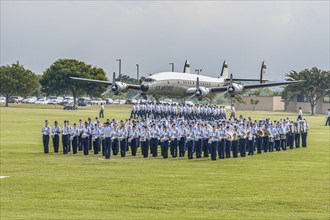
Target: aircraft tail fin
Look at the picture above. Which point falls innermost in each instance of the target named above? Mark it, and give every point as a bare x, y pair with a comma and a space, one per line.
224, 71
263, 72
186, 68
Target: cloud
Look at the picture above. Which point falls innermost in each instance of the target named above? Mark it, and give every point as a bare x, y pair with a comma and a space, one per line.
288, 35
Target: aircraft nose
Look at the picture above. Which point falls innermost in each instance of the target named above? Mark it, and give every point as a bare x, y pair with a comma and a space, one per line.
144, 88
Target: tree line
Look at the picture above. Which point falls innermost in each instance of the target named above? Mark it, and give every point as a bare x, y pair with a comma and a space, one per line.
55, 80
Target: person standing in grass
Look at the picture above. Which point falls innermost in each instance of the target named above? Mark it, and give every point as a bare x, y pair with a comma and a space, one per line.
65, 137
55, 136
305, 129
300, 114
107, 131
74, 138
86, 131
101, 114
45, 130
327, 122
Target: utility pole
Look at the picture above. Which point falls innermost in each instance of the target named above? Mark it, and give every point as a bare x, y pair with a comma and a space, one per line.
137, 74
119, 60
172, 64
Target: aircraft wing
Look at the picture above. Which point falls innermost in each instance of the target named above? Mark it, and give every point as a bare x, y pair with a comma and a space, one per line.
101, 82
255, 86
260, 85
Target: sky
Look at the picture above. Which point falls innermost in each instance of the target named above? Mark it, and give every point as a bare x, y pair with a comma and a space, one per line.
287, 35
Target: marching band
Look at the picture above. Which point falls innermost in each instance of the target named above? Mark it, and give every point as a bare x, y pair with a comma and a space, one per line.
221, 138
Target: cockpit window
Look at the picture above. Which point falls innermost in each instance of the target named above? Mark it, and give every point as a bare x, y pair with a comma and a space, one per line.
149, 80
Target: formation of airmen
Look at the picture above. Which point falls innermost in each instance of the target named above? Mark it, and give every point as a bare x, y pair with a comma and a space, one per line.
206, 112
218, 138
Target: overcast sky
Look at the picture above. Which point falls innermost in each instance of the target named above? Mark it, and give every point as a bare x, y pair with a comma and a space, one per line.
288, 35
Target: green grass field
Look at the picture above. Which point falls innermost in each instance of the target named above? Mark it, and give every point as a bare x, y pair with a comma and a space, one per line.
292, 184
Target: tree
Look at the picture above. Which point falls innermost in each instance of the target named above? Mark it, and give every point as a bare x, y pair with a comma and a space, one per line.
315, 86
16, 80
56, 79
254, 102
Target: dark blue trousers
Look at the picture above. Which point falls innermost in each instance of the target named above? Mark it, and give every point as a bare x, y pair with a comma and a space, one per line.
80, 146
190, 145
206, 147
123, 147
304, 139
96, 145
90, 142
45, 141
234, 145
182, 146
56, 142
115, 146
242, 147
198, 147
134, 144
85, 145
259, 144
291, 140
271, 146
265, 143
174, 147
154, 147
250, 144
278, 145
221, 149
65, 142
164, 146
228, 148
107, 147
283, 144
213, 149
74, 144
145, 148
297, 139
103, 147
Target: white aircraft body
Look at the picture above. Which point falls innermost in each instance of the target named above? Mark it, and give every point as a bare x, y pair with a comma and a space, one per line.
187, 85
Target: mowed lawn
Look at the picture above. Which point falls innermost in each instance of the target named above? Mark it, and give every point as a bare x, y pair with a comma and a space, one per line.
291, 184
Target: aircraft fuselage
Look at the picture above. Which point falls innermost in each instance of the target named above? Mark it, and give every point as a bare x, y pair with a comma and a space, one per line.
176, 84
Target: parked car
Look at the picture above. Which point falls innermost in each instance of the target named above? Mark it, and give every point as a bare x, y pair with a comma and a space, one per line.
42, 101
97, 101
128, 101
117, 101
32, 100
67, 101
26, 99
2, 100
52, 102
108, 101
82, 101
15, 99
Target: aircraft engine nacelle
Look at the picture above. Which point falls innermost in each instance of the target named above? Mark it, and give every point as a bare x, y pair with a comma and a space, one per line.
202, 91
235, 89
119, 87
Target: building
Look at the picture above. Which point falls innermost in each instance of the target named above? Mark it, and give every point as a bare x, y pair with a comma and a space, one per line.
321, 107
266, 103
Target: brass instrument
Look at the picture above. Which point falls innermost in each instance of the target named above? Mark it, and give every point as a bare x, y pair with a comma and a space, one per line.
266, 132
229, 136
259, 133
235, 136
